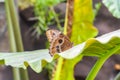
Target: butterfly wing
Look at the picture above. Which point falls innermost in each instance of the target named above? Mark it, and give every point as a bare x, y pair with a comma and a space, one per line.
51, 34
59, 44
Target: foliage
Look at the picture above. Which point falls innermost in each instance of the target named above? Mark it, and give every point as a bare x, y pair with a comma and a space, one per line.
97, 8
82, 29
102, 47
113, 6
23, 59
14, 37
83, 15
23, 4
44, 11
37, 59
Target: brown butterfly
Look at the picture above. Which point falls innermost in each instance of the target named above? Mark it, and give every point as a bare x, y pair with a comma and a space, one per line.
58, 41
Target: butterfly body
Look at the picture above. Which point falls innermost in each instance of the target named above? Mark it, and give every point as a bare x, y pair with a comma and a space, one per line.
58, 41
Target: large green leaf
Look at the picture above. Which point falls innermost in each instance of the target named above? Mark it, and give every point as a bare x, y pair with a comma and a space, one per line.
113, 6
94, 46
83, 16
82, 29
23, 59
35, 59
102, 47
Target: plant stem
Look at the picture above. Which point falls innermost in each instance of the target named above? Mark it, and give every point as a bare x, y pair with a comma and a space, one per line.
66, 20
16, 27
59, 68
16, 74
10, 29
24, 74
13, 47
17, 37
61, 60
56, 18
100, 62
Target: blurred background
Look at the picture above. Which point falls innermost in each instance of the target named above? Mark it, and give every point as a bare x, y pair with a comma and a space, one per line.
34, 38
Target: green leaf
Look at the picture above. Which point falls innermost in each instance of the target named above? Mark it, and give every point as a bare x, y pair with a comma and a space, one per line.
101, 60
94, 46
48, 2
83, 16
99, 47
44, 11
23, 59
113, 6
97, 8
66, 68
82, 29
117, 77
52, 3
37, 59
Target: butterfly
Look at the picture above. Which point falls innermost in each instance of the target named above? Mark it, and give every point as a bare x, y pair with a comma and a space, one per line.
58, 41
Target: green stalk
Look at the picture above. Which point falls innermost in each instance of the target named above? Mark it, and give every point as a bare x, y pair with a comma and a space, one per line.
59, 68
100, 62
61, 60
16, 26
10, 29
17, 35
24, 74
66, 20
15, 21
56, 18
16, 74
11, 39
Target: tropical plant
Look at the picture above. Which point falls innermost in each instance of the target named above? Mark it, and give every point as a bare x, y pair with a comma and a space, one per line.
46, 15
82, 35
